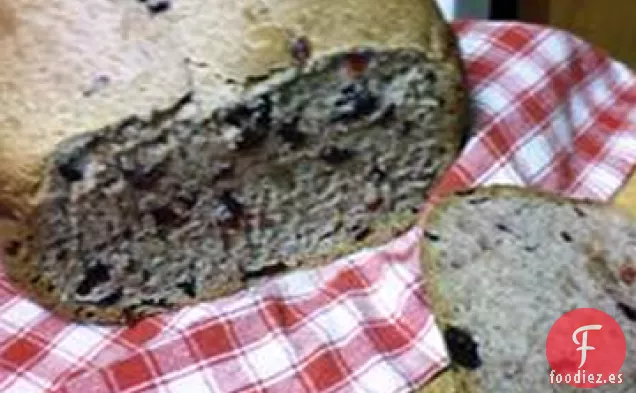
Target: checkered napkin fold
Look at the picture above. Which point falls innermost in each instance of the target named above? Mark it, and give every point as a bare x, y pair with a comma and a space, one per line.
551, 111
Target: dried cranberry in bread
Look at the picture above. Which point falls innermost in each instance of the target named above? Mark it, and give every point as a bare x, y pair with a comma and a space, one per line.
153, 156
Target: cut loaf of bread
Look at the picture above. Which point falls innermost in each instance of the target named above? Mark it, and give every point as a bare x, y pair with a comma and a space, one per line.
505, 264
152, 157
626, 197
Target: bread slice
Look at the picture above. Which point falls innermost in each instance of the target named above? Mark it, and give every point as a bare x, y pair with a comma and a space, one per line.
505, 264
152, 157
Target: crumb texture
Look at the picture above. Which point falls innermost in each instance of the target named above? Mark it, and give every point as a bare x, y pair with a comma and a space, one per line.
151, 214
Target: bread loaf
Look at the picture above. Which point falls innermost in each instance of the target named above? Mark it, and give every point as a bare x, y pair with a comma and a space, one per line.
156, 154
505, 264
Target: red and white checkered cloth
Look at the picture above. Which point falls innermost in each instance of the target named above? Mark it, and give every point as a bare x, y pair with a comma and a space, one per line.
551, 112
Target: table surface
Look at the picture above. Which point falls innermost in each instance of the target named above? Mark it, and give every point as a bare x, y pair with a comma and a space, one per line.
626, 198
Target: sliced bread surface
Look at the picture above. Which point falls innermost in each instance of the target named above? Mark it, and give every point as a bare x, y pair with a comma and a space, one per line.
505, 263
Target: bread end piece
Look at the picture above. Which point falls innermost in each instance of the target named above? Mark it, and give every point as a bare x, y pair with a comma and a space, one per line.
496, 255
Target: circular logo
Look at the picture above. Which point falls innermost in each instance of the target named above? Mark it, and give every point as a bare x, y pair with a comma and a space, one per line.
586, 348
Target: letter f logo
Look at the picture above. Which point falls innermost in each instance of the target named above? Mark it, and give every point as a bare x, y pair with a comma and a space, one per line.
584, 347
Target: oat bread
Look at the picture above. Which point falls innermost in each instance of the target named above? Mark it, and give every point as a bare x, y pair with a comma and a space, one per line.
156, 154
505, 264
